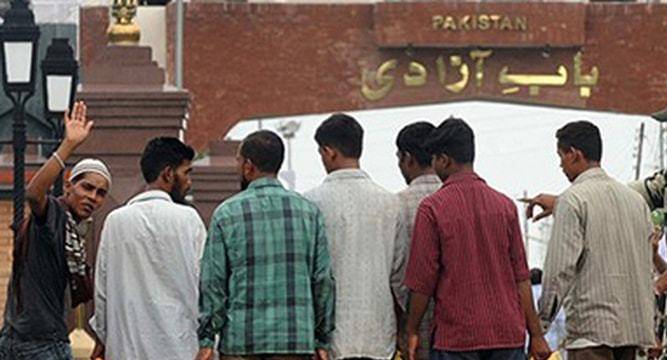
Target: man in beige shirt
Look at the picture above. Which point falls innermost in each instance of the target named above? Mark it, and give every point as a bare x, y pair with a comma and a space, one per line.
598, 261
415, 165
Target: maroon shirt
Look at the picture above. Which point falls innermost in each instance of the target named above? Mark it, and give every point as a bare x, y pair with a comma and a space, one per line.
468, 254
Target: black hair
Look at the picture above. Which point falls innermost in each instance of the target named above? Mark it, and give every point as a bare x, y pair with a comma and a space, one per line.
411, 140
583, 136
453, 138
343, 133
162, 152
265, 149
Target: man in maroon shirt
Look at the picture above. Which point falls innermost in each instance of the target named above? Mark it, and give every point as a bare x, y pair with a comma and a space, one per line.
467, 253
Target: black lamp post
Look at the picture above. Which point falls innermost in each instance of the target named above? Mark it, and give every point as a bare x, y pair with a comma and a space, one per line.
19, 37
59, 81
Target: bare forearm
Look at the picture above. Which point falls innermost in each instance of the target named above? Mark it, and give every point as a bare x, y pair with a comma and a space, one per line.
45, 177
528, 307
418, 306
659, 263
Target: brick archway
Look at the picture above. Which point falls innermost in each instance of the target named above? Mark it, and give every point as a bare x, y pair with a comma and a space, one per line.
249, 60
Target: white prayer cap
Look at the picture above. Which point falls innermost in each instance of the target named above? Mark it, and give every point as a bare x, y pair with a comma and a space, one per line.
91, 165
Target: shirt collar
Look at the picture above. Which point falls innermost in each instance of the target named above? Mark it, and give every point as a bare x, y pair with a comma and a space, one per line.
150, 195
345, 174
427, 179
466, 176
264, 182
592, 173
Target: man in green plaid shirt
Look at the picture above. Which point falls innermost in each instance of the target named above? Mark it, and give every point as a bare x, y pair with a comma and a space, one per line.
266, 283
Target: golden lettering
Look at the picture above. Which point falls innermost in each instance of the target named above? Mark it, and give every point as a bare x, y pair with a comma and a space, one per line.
458, 86
533, 81
484, 23
584, 81
449, 24
479, 56
506, 23
440, 67
464, 23
437, 21
384, 81
495, 18
521, 23
416, 75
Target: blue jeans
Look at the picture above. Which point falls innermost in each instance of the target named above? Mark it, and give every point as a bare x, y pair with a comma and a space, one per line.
492, 354
12, 348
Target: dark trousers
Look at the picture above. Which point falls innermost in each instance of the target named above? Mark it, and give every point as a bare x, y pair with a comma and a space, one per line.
13, 348
492, 354
603, 353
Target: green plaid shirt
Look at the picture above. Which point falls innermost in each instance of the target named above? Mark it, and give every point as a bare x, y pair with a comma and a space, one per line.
266, 281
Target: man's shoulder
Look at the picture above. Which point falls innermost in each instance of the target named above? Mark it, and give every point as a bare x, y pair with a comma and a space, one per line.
231, 204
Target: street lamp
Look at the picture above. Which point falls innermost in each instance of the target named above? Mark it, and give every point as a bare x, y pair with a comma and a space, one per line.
288, 131
59, 78
59, 81
19, 37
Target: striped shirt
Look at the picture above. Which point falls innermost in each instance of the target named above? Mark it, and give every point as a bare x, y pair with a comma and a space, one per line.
363, 222
266, 283
467, 253
419, 188
598, 264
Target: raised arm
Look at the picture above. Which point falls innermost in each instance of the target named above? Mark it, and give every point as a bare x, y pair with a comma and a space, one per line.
77, 130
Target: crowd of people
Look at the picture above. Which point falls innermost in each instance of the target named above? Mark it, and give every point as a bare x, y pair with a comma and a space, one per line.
347, 270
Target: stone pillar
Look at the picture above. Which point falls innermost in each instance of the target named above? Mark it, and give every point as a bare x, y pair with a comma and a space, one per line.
127, 98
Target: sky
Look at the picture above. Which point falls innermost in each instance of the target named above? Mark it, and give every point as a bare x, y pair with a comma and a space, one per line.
515, 147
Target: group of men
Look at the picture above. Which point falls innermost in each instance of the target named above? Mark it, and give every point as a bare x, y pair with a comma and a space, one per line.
347, 270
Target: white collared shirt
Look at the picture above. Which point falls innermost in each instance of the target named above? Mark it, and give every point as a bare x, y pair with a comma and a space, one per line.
147, 278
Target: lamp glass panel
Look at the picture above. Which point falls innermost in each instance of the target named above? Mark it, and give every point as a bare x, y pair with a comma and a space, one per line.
18, 60
58, 88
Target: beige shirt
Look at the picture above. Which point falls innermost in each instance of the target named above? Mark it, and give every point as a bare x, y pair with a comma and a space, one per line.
419, 188
362, 223
599, 262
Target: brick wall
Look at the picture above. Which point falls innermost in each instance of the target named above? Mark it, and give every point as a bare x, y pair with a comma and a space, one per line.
245, 60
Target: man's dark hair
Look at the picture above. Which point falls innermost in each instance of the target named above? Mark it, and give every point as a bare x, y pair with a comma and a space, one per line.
453, 138
265, 149
583, 136
411, 140
535, 276
162, 152
343, 133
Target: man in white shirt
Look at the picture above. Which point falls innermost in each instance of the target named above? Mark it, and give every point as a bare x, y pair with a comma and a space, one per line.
362, 222
147, 271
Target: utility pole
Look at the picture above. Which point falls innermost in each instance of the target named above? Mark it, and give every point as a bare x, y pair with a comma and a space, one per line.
639, 151
661, 144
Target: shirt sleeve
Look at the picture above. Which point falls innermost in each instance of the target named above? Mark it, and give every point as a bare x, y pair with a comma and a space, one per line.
98, 322
200, 240
517, 249
563, 253
213, 292
424, 265
323, 288
652, 189
400, 260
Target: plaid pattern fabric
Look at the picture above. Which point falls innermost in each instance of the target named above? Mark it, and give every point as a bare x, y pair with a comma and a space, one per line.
266, 281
